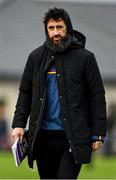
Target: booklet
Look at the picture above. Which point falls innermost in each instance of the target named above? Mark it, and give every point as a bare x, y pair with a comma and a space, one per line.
20, 149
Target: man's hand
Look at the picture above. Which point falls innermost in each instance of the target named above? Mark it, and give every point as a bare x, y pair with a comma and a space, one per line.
18, 133
96, 145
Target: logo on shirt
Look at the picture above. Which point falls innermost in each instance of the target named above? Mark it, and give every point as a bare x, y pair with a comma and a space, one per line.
52, 70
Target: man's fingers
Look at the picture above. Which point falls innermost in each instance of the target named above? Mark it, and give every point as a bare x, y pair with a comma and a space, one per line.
14, 136
21, 136
18, 133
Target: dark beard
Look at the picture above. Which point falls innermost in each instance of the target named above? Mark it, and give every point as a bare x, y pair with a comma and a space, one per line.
59, 47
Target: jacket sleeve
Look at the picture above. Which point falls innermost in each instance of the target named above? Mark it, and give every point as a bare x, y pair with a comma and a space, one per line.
96, 96
23, 105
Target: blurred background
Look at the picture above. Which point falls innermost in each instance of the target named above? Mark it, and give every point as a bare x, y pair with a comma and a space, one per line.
21, 31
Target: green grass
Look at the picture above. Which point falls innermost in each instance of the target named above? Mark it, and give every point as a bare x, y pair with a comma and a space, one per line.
100, 168
8, 170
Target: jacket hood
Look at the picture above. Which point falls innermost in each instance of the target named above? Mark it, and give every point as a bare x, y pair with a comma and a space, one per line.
78, 40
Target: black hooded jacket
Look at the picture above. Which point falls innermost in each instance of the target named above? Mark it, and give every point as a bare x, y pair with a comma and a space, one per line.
81, 93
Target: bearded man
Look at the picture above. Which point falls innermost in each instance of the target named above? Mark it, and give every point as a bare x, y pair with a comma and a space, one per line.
62, 92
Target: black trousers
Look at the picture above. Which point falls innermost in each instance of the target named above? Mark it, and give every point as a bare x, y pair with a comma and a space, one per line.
53, 156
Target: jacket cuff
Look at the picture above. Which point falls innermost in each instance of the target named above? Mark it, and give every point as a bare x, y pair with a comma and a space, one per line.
98, 138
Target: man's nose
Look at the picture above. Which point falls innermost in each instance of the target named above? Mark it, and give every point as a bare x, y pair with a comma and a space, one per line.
56, 32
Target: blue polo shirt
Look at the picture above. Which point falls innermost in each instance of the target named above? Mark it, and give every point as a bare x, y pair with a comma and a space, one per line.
52, 119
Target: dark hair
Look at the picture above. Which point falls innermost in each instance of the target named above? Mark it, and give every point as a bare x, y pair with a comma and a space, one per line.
58, 14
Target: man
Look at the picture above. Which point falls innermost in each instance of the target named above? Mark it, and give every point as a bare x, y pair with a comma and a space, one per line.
62, 91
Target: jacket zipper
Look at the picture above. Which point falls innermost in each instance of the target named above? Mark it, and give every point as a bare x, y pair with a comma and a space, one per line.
39, 119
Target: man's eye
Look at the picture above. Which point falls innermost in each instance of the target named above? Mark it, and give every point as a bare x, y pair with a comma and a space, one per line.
59, 27
51, 28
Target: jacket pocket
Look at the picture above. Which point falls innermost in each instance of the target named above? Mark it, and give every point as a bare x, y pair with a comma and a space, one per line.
83, 145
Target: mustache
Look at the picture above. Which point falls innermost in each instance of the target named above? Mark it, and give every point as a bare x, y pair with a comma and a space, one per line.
63, 39
56, 36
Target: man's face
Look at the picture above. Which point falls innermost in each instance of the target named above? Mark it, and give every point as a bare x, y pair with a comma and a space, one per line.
56, 30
